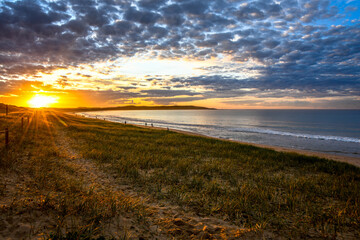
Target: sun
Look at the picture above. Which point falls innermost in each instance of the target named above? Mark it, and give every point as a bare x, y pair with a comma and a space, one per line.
39, 101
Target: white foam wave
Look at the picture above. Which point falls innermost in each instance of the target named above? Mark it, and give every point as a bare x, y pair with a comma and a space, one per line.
299, 135
192, 127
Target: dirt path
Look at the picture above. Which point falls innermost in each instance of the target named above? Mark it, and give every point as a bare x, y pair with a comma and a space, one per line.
165, 221
26, 214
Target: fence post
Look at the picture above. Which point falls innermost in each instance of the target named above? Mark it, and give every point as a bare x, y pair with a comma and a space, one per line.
7, 110
6, 138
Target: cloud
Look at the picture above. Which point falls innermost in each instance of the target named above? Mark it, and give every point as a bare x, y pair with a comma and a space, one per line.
173, 101
167, 93
145, 17
194, 7
151, 4
292, 44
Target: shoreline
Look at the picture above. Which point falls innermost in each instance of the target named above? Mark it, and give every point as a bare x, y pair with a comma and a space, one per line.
347, 159
350, 160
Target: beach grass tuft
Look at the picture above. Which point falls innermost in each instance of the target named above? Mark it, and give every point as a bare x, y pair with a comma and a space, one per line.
257, 189
291, 194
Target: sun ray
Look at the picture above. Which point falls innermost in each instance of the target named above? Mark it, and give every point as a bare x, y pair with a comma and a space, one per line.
48, 126
59, 119
27, 130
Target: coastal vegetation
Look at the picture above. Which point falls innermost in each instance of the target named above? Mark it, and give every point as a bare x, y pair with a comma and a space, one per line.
56, 166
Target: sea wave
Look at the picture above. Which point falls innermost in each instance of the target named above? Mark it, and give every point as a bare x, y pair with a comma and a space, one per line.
194, 127
299, 135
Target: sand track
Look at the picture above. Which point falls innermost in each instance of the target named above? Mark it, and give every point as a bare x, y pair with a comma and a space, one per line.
23, 214
165, 221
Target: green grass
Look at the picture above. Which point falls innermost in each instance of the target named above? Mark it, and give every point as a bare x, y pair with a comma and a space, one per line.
51, 185
290, 194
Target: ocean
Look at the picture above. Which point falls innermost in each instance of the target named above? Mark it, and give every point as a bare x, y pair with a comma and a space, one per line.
327, 131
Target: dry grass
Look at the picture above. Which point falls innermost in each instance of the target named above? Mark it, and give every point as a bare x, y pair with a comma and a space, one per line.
45, 194
290, 194
259, 190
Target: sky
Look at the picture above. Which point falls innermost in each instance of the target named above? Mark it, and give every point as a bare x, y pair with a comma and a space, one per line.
229, 54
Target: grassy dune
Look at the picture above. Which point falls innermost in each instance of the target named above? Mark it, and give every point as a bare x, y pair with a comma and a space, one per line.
43, 195
260, 191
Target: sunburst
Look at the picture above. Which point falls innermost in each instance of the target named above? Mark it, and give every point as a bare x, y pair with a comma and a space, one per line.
39, 101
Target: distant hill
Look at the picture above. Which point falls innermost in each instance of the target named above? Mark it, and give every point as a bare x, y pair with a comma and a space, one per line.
11, 108
131, 107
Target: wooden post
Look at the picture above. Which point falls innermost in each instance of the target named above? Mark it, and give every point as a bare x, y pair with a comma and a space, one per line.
6, 138
7, 110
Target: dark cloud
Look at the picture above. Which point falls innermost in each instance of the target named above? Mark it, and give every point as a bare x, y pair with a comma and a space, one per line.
334, 103
173, 20
292, 41
145, 17
195, 7
120, 28
97, 17
99, 28
151, 4
78, 26
30, 13
275, 85
172, 101
167, 93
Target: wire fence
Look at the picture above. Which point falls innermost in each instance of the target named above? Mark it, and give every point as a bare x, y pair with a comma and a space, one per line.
6, 131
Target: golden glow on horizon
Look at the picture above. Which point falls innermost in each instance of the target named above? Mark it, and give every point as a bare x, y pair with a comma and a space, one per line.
39, 101
130, 81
